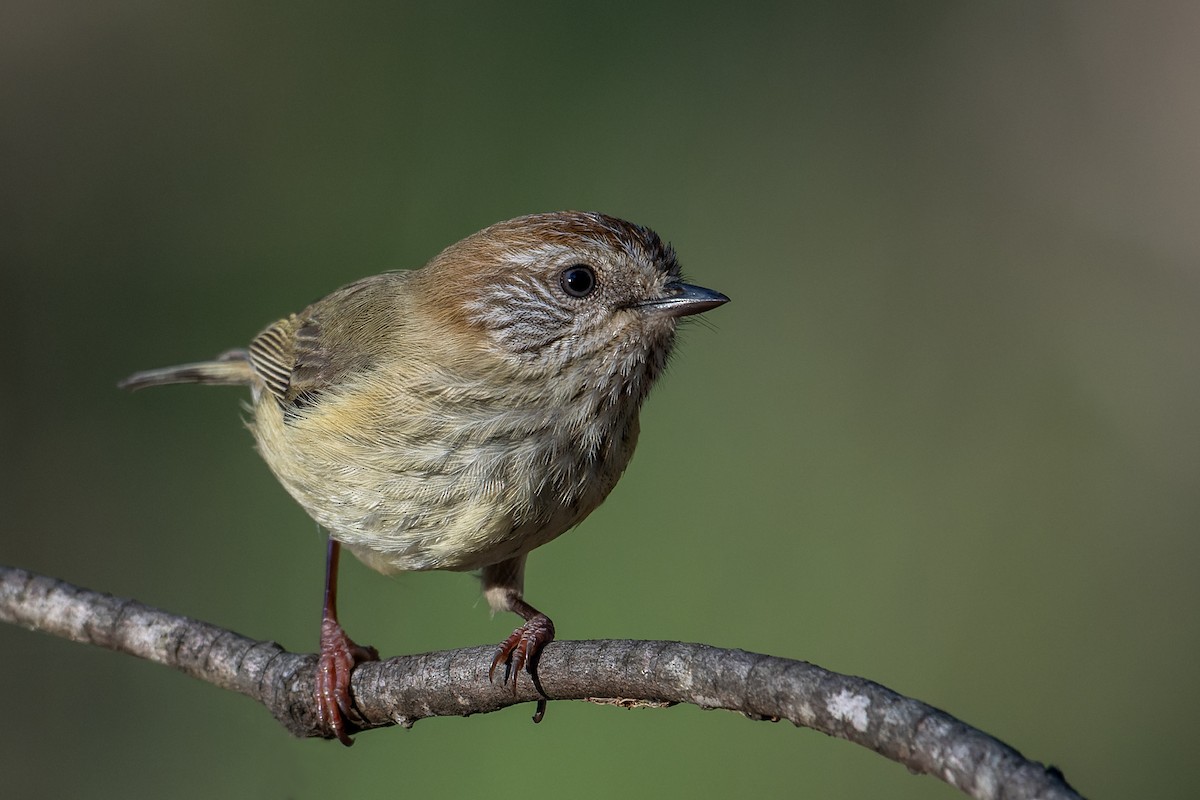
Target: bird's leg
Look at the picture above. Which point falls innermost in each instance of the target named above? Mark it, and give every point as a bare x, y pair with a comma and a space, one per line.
503, 585
522, 648
338, 657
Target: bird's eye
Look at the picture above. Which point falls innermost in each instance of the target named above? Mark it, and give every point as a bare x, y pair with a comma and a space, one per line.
579, 280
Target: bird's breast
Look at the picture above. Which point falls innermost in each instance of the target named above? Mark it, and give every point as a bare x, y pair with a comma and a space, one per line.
456, 478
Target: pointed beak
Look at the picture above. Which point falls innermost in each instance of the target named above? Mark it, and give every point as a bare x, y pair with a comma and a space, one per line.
683, 299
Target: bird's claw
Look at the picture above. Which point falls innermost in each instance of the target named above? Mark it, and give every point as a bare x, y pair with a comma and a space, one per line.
335, 664
522, 648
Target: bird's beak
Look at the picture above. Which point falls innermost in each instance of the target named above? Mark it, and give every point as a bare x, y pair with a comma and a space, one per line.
683, 299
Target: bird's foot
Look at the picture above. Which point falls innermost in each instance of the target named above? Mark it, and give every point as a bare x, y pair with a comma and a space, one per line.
522, 649
339, 656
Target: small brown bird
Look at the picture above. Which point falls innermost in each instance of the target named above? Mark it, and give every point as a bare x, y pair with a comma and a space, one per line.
458, 416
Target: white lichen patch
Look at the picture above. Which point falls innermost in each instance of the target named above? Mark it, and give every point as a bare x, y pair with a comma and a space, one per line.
986, 785
850, 707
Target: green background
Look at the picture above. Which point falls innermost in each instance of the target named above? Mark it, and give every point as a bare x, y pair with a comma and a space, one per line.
945, 436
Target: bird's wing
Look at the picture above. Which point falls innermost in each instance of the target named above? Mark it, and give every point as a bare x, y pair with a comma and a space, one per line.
303, 355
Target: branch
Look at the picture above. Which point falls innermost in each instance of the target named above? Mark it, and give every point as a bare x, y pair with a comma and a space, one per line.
405, 689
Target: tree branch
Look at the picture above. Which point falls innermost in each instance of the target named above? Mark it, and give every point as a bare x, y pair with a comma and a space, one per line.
405, 689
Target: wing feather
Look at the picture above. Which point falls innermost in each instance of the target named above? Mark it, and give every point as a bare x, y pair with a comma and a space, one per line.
303, 355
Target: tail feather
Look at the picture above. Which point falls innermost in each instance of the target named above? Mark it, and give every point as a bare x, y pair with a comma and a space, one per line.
231, 369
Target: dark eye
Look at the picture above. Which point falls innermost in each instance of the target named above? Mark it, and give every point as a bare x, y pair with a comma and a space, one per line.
579, 280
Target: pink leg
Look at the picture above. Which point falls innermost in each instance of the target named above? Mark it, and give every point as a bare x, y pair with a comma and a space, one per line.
338, 657
503, 585
525, 643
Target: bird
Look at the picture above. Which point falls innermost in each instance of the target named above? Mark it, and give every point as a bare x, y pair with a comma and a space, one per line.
458, 416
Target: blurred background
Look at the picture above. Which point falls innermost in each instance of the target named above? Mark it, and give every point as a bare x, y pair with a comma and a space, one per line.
944, 437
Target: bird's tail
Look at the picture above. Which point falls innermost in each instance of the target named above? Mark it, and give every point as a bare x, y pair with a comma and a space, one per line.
229, 369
